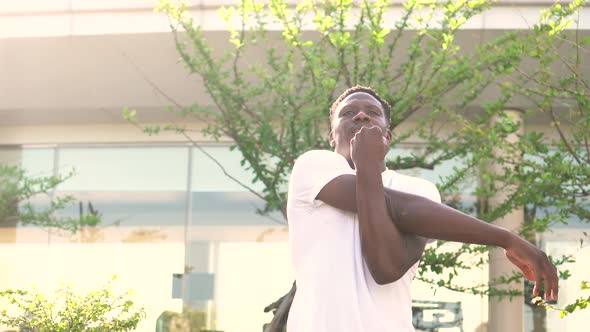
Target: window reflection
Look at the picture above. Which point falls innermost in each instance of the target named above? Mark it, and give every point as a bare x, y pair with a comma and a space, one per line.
231, 209
133, 208
125, 168
231, 244
207, 176
35, 161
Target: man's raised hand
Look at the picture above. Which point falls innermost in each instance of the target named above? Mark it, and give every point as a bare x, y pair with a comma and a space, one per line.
368, 147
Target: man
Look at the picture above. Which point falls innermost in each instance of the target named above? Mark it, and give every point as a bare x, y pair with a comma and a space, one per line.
358, 230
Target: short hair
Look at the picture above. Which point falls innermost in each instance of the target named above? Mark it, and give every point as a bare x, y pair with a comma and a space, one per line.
365, 89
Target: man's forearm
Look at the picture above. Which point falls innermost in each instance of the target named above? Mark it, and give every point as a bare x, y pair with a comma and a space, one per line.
421, 216
382, 244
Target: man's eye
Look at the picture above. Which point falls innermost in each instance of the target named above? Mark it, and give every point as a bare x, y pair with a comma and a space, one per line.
347, 113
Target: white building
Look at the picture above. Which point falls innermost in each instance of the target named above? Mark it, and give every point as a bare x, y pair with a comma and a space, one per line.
67, 68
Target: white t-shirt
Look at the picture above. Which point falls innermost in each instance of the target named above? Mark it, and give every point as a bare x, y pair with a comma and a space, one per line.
335, 290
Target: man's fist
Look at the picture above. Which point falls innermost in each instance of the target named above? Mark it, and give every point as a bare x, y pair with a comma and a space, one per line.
368, 147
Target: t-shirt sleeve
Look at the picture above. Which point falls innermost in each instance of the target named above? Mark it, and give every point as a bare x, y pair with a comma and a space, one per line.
312, 171
431, 192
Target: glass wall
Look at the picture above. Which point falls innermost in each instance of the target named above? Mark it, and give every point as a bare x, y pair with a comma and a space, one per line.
245, 254
186, 237
173, 227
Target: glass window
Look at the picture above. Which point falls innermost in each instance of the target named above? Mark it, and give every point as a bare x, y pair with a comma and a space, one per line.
140, 192
208, 175
219, 200
227, 239
251, 276
125, 168
35, 161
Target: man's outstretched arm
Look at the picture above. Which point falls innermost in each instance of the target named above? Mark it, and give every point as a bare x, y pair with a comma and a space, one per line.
417, 215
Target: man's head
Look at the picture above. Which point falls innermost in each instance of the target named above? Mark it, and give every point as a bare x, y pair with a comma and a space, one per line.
357, 107
357, 88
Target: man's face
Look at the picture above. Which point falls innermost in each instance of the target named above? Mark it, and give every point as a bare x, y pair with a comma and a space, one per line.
358, 110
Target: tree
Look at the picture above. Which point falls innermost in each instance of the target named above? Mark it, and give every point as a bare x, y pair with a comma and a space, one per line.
555, 179
276, 109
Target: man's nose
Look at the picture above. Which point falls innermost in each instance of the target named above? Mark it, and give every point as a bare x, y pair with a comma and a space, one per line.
361, 116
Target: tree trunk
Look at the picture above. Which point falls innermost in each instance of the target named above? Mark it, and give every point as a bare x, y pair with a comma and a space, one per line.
281, 311
539, 319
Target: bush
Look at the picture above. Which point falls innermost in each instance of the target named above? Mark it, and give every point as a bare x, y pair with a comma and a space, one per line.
100, 310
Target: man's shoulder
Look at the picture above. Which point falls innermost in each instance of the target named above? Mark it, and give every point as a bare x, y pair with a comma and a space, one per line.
316, 154
318, 157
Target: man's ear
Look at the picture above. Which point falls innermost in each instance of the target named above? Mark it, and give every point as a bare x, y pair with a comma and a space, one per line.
388, 136
332, 141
